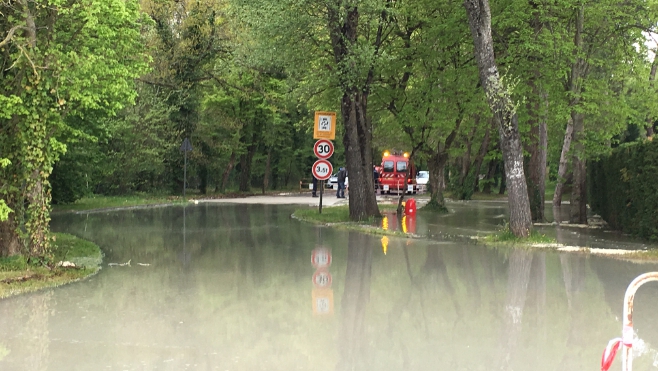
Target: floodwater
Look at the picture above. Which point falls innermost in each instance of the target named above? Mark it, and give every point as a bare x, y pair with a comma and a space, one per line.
235, 287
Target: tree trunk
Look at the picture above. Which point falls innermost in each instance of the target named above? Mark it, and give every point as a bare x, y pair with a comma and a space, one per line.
574, 87
491, 171
227, 172
498, 96
484, 148
578, 207
503, 181
358, 154
436, 165
537, 147
562, 168
245, 168
343, 23
466, 158
10, 243
266, 177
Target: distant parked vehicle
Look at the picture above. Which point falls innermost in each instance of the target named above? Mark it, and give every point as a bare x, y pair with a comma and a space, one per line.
332, 182
422, 178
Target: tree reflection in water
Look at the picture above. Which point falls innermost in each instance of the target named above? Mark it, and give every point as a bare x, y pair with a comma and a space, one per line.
30, 346
356, 296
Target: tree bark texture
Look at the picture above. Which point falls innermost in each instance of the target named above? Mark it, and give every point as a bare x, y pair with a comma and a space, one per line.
578, 207
268, 170
537, 148
491, 171
227, 172
245, 168
437, 165
562, 170
479, 20
10, 244
343, 27
484, 148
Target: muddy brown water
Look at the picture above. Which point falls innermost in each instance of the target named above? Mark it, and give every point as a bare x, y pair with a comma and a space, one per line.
230, 287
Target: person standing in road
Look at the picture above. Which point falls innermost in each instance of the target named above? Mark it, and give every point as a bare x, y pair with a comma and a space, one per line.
375, 175
315, 187
340, 179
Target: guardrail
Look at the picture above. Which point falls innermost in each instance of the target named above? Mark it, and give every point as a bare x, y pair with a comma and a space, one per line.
627, 334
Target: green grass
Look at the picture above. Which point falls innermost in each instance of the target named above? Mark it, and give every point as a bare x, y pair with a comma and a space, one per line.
335, 214
506, 236
104, 202
22, 277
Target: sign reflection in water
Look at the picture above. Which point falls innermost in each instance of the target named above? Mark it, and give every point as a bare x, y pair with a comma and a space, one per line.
322, 295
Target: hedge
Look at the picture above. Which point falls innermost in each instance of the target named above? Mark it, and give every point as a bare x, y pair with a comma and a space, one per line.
623, 189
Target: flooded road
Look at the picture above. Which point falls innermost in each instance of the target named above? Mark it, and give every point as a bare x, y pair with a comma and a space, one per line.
245, 287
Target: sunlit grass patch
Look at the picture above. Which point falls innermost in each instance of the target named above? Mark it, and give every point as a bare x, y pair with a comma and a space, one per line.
17, 276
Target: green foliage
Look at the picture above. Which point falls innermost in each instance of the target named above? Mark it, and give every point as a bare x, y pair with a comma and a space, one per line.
623, 188
68, 59
13, 263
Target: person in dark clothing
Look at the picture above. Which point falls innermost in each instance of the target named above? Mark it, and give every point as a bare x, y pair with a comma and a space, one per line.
342, 174
375, 175
315, 187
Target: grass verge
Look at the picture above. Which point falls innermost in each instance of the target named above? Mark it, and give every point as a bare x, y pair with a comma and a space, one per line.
106, 202
17, 276
339, 217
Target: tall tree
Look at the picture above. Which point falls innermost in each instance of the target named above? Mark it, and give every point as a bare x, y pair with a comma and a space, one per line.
504, 113
343, 44
57, 58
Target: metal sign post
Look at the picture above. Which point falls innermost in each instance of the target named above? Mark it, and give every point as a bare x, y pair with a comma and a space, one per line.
321, 192
185, 147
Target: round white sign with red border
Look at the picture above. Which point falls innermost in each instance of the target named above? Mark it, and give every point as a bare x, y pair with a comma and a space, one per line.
322, 169
323, 149
322, 279
321, 257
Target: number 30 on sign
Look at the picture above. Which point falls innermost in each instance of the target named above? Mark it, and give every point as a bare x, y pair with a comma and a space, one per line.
322, 169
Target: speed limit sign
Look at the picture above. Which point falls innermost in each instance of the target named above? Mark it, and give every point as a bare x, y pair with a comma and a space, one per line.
323, 149
322, 169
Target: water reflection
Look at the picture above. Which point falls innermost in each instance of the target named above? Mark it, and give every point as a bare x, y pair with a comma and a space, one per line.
27, 344
353, 342
242, 301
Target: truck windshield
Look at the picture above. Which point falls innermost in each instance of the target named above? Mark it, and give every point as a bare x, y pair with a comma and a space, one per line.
402, 166
388, 166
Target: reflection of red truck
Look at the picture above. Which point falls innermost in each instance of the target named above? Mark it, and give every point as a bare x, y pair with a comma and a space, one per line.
393, 172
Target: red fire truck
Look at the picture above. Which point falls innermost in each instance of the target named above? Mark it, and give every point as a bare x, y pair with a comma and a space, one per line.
393, 172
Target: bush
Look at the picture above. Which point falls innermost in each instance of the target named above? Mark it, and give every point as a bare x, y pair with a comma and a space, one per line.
623, 189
